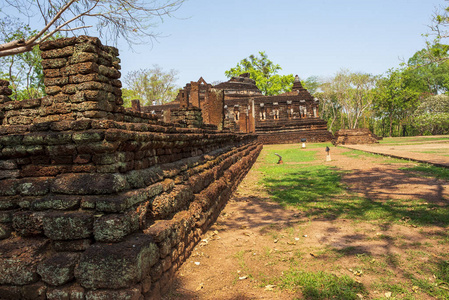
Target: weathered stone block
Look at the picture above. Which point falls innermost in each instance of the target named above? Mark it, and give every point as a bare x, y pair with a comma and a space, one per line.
99, 147
74, 245
128, 294
55, 53
166, 204
59, 202
68, 292
19, 260
9, 202
81, 68
109, 72
117, 265
58, 269
68, 225
106, 158
8, 165
156, 272
36, 291
160, 230
57, 138
48, 73
60, 81
6, 216
95, 183
88, 137
5, 231
113, 228
80, 57
36, 186
52, 90
128, 199
10, 292
8, 187
28, 223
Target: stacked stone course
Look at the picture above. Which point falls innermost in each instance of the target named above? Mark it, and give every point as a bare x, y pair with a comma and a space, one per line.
355, 136
101, 203
81, 78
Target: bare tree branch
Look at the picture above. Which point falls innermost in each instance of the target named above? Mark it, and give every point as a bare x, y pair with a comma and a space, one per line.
131, 20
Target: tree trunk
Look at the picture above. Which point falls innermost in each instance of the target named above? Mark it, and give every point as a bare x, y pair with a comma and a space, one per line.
391, 125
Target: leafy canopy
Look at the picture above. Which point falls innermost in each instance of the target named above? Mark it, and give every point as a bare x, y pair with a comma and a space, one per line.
130, 20
152, 85
265, 73
432, 115
23, 71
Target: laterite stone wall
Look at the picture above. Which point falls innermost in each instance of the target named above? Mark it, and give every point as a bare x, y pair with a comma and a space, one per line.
98, 202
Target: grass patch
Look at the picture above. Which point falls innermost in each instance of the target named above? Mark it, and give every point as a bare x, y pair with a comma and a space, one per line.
289, 155
317, 191
358, 154
412, 139
430, 171
321, 285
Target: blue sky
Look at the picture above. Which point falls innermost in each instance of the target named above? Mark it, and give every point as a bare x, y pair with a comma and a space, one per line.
305, 37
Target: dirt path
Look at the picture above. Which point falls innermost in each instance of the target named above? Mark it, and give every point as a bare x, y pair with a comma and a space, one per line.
255, 240
436, 153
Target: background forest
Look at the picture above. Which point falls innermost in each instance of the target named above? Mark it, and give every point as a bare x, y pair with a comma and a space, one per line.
411, 99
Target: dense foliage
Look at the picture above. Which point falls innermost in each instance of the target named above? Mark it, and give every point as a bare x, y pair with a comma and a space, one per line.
265, 73
151, 86
24, 70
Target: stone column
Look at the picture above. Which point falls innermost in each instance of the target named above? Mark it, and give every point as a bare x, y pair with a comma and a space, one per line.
195, 94
135, 105
5, 92
81, 79
213, 111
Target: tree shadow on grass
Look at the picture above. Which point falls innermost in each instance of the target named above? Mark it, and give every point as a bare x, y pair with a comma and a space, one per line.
319, 193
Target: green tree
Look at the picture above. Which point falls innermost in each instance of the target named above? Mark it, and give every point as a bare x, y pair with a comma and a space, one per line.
349, 96
395, 98
131, 20
311, 83
23, 71
152, 85
330, 108
426, 74
432, 115
265, 73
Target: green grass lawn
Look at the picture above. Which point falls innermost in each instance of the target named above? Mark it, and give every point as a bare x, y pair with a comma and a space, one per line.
412, 139
315, 189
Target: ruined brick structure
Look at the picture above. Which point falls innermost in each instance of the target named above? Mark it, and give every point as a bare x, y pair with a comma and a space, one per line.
354, 137
198, 96
285, 118
100, 202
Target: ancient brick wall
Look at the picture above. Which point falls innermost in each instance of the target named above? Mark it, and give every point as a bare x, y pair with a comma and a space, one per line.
81, 79
102, 203
213, 110
287, 132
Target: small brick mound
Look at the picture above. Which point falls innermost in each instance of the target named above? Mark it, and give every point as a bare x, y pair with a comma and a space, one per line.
354, 137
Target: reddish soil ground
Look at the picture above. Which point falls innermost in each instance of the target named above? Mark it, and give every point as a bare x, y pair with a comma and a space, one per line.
255, 240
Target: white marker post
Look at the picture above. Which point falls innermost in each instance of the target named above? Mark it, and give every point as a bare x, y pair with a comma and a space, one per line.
328, 156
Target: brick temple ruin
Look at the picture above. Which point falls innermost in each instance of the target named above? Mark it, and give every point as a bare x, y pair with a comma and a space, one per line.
285, 118
355, 137
102, 202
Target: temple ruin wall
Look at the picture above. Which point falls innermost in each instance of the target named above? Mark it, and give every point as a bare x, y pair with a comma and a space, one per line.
100, 202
